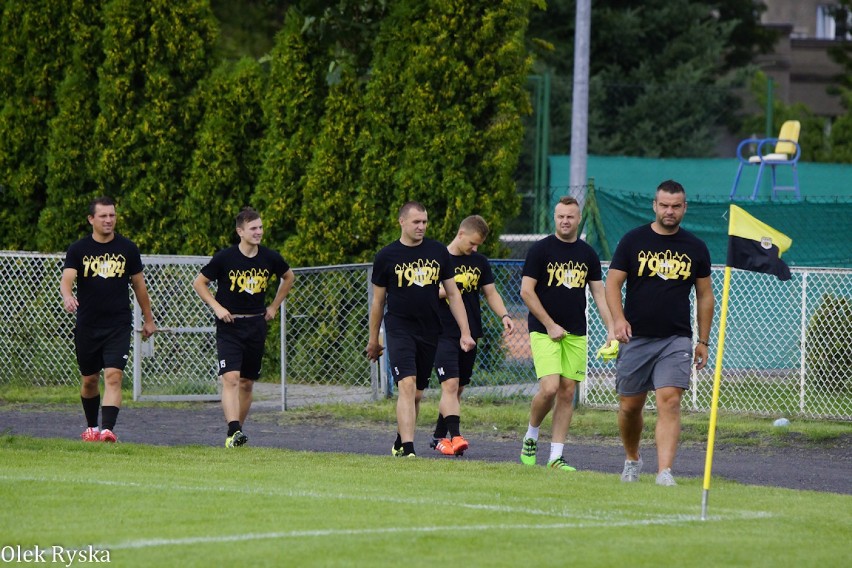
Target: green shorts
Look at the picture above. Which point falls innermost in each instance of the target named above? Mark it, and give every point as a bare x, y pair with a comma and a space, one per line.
566, 357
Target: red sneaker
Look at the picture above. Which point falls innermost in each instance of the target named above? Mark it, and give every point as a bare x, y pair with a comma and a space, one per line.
91, 435
459, 445
107, 436
445, 447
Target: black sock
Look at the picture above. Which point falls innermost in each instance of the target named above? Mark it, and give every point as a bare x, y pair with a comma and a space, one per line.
109, 414
440, 427
233, 426
398, 442
90, 409
453, 425
407, 448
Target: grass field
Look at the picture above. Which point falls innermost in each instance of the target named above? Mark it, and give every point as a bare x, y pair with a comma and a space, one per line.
198, 506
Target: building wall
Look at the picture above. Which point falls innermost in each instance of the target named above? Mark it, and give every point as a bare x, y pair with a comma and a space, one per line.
801, 14
800, 64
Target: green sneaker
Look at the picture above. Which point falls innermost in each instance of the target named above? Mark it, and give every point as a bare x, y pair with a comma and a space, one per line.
237, 439
528, 451
397, 452
559, 463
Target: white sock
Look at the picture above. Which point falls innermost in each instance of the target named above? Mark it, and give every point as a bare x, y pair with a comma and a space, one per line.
555, 451
532, 432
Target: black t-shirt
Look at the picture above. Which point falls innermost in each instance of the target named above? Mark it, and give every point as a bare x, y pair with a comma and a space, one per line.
242, 281
410, 276
471, 272
562, 271
103, 278
661, 271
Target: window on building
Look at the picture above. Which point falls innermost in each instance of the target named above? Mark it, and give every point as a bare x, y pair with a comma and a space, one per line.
833, 21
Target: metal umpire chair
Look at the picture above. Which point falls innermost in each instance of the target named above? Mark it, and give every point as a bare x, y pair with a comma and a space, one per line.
786, 152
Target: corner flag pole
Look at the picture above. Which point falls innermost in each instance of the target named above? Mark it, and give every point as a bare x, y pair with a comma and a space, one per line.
717, 379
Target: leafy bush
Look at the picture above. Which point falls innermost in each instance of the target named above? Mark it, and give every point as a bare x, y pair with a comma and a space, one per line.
829, 351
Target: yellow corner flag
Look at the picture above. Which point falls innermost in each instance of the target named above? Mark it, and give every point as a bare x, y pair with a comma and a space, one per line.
754, 245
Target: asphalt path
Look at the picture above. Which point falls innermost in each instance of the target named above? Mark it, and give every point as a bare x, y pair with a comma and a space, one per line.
826, 469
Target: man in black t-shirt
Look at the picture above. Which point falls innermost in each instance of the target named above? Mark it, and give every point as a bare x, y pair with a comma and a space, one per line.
472, 274
242, 274
556, 273
661, 263
407, 273
103, 265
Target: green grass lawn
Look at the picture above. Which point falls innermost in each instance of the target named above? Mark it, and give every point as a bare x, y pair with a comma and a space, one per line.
198, 506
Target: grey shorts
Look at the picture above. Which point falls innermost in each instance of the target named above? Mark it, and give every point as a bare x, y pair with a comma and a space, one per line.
649, 363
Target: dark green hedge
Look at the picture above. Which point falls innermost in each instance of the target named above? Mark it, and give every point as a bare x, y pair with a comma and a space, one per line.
346, 118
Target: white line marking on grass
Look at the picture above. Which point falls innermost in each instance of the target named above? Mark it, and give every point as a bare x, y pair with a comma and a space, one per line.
579, 519
188, 541
154, 487
561, 512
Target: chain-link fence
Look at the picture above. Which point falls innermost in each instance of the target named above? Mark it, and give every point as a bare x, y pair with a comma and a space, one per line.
179, 361
787, 347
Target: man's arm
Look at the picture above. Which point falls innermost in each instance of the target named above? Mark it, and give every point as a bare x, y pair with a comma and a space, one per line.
137, 282
495, 302
374, 348
66, 288
534, 305
620, 326
459, 313
285, 283
201, 285
599, 294
705, 303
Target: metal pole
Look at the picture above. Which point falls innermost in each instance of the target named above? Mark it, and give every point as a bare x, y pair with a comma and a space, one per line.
770, 107
543, 212
137, 351
282, 346
537, 172
580, 104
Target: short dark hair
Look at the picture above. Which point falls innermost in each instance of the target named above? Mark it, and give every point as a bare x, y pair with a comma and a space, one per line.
408, 206
247, 215
671, 186
568, 200
475, 224
102, 200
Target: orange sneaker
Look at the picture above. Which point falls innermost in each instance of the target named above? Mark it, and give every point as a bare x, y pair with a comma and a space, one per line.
459, 445
107, 436
445, 447
91, 435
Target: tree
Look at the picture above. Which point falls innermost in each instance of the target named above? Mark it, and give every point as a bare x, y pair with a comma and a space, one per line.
34, 52
70, 184
226, 161
333, 226
649, 57
841, 130
445, 98
156, 52
293, 106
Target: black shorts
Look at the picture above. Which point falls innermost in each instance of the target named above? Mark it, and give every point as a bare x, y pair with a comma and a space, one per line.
101, 348
411, 356
453, 363
240, 346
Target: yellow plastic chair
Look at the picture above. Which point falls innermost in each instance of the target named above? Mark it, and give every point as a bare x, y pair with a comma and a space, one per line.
786, 152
